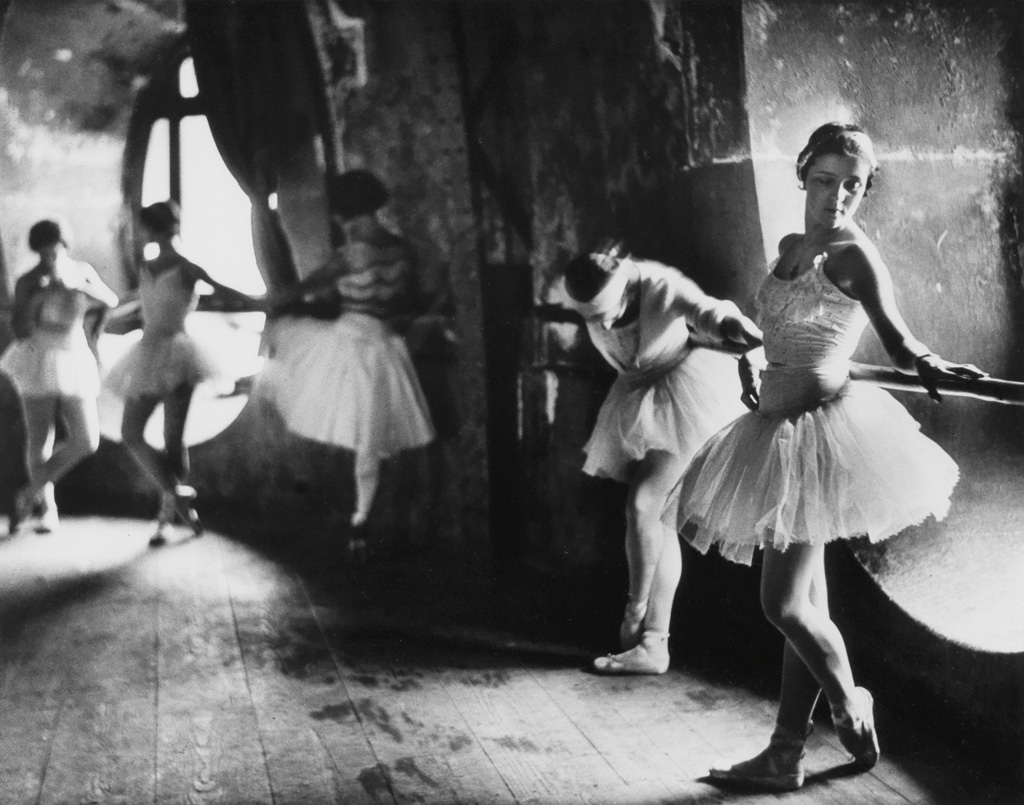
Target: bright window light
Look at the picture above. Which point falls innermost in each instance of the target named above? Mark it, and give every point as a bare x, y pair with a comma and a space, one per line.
216, 227
187, 85
156, 177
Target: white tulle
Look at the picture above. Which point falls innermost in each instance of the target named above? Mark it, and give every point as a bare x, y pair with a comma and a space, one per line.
676, 413
52, 364
855, 466
348, 382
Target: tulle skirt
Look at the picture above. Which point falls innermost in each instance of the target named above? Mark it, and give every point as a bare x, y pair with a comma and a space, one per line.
159, 362
52, 364
677, 413
855, 464
348, 382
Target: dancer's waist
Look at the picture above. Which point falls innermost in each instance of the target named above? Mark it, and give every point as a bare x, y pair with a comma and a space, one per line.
651, 374
787, 388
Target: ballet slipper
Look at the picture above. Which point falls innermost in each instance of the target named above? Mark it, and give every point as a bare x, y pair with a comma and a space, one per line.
184, 497
49, 519
632, 626
778, 767
649, 656
856, 731
24, 503
164, 520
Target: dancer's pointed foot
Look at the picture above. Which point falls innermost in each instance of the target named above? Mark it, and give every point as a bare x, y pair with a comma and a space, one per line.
164, 519
649, 656
24, 503
49, 521
184, 497
856, 729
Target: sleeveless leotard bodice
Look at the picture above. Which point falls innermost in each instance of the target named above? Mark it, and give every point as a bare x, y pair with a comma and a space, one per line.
166, 298
379, 285
811, 329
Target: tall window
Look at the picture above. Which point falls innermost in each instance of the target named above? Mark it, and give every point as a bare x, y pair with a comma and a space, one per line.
182, 163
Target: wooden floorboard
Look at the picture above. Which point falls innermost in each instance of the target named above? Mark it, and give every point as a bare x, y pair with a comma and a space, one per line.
205, 672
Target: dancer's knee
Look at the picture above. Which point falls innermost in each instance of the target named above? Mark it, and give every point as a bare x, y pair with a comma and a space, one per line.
783, 610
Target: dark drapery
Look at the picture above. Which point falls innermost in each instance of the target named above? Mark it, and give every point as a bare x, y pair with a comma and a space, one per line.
259, 74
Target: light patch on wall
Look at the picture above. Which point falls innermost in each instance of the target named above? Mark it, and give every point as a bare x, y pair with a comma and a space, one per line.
63, 55
38, 144
550, 395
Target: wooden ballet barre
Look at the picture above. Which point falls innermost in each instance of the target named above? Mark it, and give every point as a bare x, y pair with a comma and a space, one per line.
984, 388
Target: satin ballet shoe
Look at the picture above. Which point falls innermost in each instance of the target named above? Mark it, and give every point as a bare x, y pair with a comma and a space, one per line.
778, 767
164, 520
358, 518
773, 769
632, 626
24, 503
649, 656
856, 731
49, 521
184, 497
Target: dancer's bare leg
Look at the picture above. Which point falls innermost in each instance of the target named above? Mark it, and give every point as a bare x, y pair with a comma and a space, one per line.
794, 596
49, 461
367, 472
655, 567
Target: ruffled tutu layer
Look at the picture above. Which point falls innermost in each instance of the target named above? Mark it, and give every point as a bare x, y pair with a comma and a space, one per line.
855, 466
159, 363
348, 382
676, 413
49, 364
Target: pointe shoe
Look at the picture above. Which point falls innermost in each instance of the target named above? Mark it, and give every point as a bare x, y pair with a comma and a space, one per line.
776, 768
632, 626
49, 521
358, 518
184, 496
164, 520
649, 656
856, 732
24, 503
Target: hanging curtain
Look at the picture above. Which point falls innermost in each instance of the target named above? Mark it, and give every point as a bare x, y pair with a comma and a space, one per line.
260, 76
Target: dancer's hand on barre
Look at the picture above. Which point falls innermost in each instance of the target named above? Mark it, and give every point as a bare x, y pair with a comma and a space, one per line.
931, 369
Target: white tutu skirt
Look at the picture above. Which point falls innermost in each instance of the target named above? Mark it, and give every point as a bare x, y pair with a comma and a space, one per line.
347, 382
856, 465
52, 364
160, 362
677, 413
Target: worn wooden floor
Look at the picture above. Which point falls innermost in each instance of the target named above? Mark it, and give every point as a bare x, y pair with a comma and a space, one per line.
204, 672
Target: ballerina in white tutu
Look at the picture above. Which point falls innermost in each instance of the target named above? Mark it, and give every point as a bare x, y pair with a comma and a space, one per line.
820, 457
669, 397
166, 365
350, 382
53, 367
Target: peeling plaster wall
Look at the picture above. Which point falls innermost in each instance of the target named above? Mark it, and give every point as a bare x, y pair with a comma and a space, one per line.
620, 119
934, 84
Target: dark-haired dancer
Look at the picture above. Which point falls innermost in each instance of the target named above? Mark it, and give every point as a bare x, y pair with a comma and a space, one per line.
819, 458
350, 382
668, 399
53, 367
166, 365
